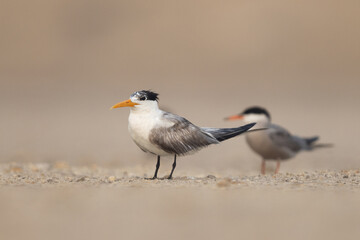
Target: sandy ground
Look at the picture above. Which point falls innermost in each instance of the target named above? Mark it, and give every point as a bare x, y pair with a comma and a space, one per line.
58, 201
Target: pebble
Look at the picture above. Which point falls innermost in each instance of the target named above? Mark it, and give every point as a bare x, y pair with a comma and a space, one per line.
81, 179
111, 179
224, 183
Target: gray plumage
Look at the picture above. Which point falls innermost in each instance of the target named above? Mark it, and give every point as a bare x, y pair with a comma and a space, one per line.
273, 142
184, 137
276, 143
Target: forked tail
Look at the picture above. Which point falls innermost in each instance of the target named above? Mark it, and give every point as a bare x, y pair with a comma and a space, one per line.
311, 143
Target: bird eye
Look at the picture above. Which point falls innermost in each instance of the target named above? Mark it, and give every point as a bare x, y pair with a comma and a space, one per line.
142, 98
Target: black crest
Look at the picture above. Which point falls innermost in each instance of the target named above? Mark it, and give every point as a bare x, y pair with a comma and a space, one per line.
257, 110
146, 95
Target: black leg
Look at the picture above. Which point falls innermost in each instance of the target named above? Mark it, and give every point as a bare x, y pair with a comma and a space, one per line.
156, 170
173, 167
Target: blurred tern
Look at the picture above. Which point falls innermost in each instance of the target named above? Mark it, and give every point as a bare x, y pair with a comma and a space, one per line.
162, 133
275, 142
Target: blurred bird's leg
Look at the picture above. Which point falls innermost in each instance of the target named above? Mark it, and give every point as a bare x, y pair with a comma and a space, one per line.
156, 170
173, 168
263, 167
277, 167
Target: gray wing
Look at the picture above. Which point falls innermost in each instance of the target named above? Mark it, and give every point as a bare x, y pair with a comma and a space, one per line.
182, 137
282, 138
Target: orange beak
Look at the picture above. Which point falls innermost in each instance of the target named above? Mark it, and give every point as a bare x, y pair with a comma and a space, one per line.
235, 117
127, 103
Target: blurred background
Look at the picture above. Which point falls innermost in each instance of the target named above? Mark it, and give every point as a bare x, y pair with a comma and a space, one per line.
63, 64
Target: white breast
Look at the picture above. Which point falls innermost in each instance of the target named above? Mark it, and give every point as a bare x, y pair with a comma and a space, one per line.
140, 125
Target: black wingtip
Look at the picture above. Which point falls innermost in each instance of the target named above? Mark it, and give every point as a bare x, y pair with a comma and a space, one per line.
248, 126
312, 140
227, 133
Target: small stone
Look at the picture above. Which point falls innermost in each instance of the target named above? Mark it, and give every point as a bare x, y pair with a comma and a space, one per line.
111, 179
16, 169
81, 179
33, 168
346, 176
224, 183
211, 176
61, 165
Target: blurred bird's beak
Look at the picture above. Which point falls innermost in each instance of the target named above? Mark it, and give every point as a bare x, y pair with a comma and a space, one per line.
235, 117
127, 103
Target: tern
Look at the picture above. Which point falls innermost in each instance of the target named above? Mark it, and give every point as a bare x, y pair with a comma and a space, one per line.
274, 142
162, 133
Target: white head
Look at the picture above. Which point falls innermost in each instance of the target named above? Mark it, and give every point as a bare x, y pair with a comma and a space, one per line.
253, 114
140, 101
